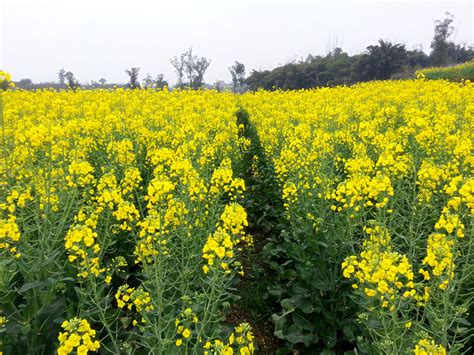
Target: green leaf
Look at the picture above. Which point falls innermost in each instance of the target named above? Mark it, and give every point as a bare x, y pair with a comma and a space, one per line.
302, 322
29, 286
463, 321
287, 304
375, 324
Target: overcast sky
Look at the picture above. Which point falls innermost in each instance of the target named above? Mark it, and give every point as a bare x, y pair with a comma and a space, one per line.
100, 38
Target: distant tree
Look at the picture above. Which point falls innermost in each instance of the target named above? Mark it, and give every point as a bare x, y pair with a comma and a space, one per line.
380, 62
154, 83
237, 71
102, 81
72, 83
460, 53
336, 52
178, 65
188, 63
416, 58
338, 67
148, 81
218, 85
439, 45
25, 84
309, 58
192, 67
133, 82
200, 66
258, 80
314, 71
62, 77
160, 82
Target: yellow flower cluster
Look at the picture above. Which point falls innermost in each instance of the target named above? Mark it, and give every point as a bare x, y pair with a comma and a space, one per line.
108, 192
121, 152
173, 169
152, 239
450, 223
131, 180
81, 245
183, 323
289, 194
9, 228
81, 240
428, 347
223, 180
110, 195
361, 190
77, 337
229, 233
439, 256
165, 212
135, 300
243, 339
3, 321
441, 247
380, 271
80, 174
159, 191
429, 179
240, 342
218, 246
234, 220
9, 234
5, 78
450, 220
16, 198
466, 195
183, 171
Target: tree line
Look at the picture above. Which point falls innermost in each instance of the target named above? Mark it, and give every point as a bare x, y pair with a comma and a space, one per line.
381, 61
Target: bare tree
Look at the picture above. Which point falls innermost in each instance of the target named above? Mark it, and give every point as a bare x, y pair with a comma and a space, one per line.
62, 77
154, 83
200, 66
188, 61
178, 65
192, 67
148, 81
133, 82
237, 71
219, 85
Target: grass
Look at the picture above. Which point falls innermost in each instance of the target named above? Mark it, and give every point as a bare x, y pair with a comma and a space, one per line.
459, 72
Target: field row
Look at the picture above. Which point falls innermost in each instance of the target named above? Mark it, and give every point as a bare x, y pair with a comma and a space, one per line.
377, 190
